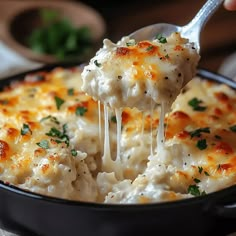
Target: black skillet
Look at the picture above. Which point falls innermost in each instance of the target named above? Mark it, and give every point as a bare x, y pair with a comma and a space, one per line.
33, 214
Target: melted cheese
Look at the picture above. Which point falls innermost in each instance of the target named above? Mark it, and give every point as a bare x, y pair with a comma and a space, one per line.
128, 76
199, 154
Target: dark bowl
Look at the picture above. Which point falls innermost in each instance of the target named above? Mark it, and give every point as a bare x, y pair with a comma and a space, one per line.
33, 214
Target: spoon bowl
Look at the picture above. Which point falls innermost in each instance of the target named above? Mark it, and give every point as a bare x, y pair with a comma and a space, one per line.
191, 31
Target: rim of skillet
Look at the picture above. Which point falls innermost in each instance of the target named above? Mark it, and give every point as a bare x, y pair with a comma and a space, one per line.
201, 72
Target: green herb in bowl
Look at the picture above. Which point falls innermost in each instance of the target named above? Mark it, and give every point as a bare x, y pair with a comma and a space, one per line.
58, 37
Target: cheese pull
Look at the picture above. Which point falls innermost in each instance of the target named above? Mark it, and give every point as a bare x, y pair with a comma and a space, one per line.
131, 74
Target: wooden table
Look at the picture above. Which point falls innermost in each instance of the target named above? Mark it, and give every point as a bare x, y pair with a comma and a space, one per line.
218, 38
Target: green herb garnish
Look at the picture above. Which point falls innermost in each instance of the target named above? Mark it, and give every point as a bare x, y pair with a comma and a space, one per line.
43, 144
62, 136
59, 102
161, 38
131, 42
57, 36
51, 118
197, 132
233, 128
201, 144
194, 190
113, 119
70, 92
73, 152
97, 63
25, 129
195, 104
80, 111
200, 169
197, 180
149, 48
206, 173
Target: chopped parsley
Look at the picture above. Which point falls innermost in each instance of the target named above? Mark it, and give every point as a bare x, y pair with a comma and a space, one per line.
43, 144
80, 111
196, 180
195, 104
206, 173
25, 129
201, 144
217, 137
97, 63
131, 42
194, 190
233, 128
200, 169
62, 136
113, 119
51, 118
73, 152
54, 132
70, 91
149, 48
59, 102
161, 38
197, 132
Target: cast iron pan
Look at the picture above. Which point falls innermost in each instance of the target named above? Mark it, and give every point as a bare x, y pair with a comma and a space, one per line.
33, 214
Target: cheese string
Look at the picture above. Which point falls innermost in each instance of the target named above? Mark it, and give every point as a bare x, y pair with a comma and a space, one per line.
100, 125
118, 112
161, 129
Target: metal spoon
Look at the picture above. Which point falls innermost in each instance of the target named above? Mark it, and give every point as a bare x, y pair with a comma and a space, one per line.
191, 31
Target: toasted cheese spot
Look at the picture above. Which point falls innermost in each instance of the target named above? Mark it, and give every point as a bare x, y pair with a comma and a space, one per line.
222, 97
125, 117
150, 71
218, 112
40, 152
122, 51
45, 168
74, 170
4, 150
223, 148
12, 133
178, 48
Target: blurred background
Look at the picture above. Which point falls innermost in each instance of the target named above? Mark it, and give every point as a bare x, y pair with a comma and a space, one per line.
113, 19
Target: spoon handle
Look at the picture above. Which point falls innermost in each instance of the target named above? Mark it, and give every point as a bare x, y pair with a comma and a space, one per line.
195, 26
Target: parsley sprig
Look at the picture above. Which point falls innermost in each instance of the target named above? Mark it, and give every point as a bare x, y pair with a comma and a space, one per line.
195, 191
59, 101
161, 38
197, 132
195, 103
80, 111
25, 129
233, 128
51, 118
43, 144
60, 135
201, 144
